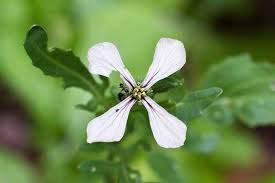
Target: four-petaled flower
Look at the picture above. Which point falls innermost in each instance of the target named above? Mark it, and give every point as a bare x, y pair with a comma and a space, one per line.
168, 130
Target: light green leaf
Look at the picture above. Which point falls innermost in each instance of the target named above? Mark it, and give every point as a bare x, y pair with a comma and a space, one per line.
56, 62
247, 90
194, 103
221, 112
165, 167
256, 110
239, 75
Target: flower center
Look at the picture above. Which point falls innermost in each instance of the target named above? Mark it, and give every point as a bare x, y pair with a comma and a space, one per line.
138, 92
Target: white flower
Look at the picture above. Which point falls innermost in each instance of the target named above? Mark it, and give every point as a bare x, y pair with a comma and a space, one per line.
168, 130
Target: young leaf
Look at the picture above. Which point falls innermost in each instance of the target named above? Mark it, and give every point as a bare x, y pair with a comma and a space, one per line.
247, 89
57, 62
194, 103
165, 167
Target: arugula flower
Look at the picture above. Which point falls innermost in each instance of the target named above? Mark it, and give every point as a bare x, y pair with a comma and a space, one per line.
168, 131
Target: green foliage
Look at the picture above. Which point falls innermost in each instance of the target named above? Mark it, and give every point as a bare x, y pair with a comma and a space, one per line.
56, 62
168, 83
248, 93
165, 167
56, 128
194, 103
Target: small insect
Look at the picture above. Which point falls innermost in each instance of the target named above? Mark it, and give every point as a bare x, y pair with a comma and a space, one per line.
124, 93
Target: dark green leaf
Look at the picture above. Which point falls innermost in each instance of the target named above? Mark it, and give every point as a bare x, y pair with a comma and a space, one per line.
57, 62
248, 90
194, 103
168, 83
165, 167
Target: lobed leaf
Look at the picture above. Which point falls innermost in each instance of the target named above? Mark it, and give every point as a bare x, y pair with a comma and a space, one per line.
57, 62
248, 90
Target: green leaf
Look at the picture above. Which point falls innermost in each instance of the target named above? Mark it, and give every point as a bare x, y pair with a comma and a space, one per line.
56, 62
239, 75
194, 103
165, 167
168, 83
248, 91
100, 167
256, 110
220, 112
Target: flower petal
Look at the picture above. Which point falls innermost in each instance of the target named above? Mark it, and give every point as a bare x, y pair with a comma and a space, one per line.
168, 130
110, 126
169, 57
104, 58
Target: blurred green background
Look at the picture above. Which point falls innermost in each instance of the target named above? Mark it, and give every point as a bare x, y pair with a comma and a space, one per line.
40, 129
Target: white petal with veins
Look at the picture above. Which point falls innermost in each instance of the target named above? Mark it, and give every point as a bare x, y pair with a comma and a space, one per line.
104, 58
110, 126
168, 130
169, 57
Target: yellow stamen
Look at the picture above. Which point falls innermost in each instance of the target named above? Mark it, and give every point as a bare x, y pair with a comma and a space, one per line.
138, 92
